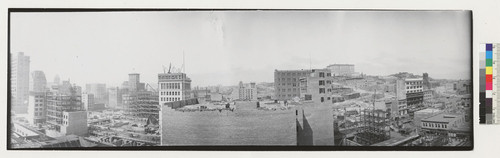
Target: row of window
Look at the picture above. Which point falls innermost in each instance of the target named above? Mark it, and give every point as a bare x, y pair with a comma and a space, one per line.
414, 83
170, 93
170, 99
414, 91
170, 85
413, 87
289, 84
434, 125
170, 77
293, 73
289, 95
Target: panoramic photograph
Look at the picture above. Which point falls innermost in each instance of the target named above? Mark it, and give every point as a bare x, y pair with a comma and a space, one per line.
240, 78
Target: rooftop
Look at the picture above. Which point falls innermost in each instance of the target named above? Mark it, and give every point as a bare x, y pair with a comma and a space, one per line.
444, 118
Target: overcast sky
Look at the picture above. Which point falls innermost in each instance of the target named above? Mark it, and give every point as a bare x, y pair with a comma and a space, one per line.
224, 47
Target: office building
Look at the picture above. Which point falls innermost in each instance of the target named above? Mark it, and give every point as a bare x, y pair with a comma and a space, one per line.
248, 92
115, 97
38, 82
65, 115
19, 82
99, 91
134, 82
341, 69
87, 100
317, 87
414, 94
173, 87
287, 83
37, 108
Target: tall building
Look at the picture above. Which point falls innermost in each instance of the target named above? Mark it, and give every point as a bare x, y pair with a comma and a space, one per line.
134, 82
99, 91
115, 97
247, 92
65, 114
87, 100
19, 80
286, 83
37, 108
341, 69
173, 87
38, 82
414, 94
141, 104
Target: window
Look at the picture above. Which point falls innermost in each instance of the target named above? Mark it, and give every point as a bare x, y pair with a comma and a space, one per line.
321, 74
321, 82
322, 90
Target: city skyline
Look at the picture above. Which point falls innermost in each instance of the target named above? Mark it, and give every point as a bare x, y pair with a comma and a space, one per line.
222, 49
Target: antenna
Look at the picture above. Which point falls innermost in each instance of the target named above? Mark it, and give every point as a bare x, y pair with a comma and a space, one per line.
169, 67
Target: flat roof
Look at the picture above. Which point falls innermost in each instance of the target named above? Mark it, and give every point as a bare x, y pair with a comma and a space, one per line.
445, 118
413, 79
428, 110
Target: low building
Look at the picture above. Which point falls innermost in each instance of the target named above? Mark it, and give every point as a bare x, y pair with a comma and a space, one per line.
442, 123
317, 87
425, 113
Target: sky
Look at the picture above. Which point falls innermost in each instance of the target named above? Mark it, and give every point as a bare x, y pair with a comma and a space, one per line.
225, 47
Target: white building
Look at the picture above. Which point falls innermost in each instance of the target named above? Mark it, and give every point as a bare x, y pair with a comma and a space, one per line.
37, 108
19, 81
88, 100
173, 87
341, 69
247, 92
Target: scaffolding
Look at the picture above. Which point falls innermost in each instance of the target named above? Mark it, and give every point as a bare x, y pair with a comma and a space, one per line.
142, 105
375, 123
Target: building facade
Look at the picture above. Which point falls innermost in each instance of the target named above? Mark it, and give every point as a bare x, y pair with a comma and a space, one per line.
87, 100
247, 92
317, 87
99, 91
173, 87
341, 69
414, 94
115, 97
19, 81
65, 114
287, 83
134, 82
37, 108
38, 82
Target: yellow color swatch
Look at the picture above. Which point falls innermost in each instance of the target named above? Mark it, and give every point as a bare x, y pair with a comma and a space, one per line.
489, 70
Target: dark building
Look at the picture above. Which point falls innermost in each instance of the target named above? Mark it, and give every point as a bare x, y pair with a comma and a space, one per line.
287, 83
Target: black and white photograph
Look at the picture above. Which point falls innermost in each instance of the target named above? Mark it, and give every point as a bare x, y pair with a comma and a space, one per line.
220, 79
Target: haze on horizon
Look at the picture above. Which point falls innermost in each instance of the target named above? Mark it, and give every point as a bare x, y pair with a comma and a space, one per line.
225, 47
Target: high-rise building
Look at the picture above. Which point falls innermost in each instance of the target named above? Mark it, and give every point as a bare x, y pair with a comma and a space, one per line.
19, 79
173, 87
286, 83
341, 69
87, 100
38, 82
115, 97
37, 108
134, 82
247, 92
99, 91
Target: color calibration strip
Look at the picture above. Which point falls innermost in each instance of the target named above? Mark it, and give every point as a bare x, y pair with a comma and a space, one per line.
487, 95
